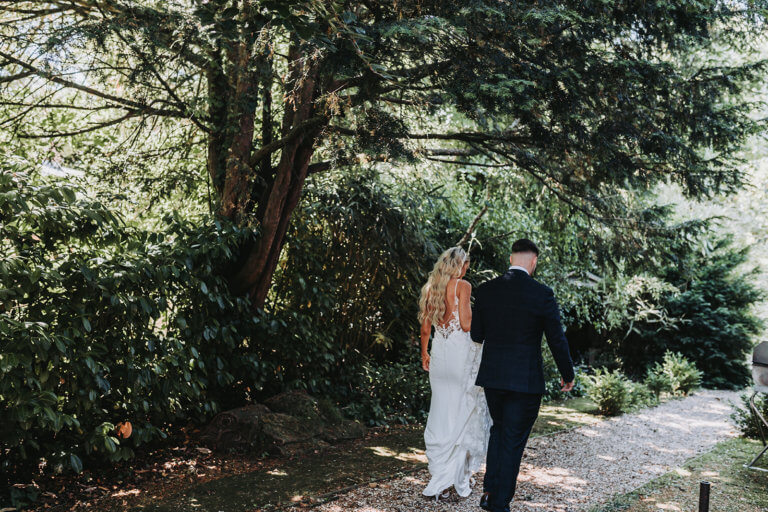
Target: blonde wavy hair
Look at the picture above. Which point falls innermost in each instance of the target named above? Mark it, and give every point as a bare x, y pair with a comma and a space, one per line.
432, 299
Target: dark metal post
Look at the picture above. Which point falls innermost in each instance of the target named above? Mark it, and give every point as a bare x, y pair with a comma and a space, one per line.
704, 497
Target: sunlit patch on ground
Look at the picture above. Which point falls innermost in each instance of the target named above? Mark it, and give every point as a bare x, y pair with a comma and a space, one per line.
734, 488
412, 455
668, 506
123, 493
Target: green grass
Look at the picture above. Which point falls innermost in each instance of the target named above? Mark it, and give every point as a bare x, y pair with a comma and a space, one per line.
734, 488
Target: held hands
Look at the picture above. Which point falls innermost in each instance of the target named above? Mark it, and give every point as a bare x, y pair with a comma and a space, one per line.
425, 362
566, 386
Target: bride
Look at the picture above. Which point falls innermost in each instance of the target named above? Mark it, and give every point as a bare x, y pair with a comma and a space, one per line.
456, 435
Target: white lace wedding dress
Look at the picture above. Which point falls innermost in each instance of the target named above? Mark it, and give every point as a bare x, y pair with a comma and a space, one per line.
458, 426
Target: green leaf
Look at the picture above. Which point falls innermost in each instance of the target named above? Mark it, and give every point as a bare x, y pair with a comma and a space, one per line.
75, 463
145, 305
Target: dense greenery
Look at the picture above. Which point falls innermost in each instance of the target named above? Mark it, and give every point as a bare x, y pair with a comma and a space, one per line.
103, 324
289, 171
708, 316
588, 99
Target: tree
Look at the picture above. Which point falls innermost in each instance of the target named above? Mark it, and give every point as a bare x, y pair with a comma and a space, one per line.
589, 98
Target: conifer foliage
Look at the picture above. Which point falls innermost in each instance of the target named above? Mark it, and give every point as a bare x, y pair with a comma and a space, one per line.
586, 97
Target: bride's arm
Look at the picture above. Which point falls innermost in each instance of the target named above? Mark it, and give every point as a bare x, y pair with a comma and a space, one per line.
426, 330
465, 309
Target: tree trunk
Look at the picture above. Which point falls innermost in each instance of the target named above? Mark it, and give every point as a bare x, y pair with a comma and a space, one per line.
236, 196
218, 93
281, 193
301, 164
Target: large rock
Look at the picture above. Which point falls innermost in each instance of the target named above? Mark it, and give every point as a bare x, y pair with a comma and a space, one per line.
295, 403
284, 429
290, 423
343, 431
239, 428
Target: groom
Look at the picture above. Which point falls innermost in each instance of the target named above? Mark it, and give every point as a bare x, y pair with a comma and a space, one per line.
510, 315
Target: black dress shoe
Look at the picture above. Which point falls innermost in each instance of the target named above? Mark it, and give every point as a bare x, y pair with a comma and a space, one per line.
485, 501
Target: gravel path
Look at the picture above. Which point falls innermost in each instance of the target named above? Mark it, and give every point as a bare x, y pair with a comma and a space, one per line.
574, 470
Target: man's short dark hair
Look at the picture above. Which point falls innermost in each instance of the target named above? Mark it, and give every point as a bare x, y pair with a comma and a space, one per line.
525, 245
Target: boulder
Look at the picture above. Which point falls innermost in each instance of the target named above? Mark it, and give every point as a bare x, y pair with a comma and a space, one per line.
295, 403
285, 429
288, 424
343, 431
239, 428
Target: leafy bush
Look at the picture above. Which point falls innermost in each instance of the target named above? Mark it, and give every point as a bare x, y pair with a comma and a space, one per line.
707, 317
102, 324
552, 380
614, 393
609, 390
745, 421
353, 264
391, 392
639, 396
675, 374
657, 381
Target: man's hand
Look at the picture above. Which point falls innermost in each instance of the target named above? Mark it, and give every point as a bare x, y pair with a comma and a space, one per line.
425, 362
566, 386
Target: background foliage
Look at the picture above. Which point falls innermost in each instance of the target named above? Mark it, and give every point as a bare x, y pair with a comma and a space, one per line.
591, 130
103, 323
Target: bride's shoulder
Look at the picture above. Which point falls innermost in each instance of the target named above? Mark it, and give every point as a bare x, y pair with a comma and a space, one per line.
464, 285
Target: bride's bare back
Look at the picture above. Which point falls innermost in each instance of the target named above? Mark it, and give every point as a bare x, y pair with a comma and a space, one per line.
461, 290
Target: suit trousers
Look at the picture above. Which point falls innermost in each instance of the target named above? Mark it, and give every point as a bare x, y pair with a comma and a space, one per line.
513, 414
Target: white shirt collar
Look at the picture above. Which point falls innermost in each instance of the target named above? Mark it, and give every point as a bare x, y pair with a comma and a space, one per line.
516, 267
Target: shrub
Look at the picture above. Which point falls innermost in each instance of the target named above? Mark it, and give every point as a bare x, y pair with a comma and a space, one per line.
745, 421
101, 323
609, 390
657, 381
639, 396
681, 375
391, 392
709, 317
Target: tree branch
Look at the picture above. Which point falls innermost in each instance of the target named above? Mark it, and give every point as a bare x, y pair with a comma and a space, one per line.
448, 152
476, 220
97, 126
294, 132
179, 102
135, 105
18, 76
465, 162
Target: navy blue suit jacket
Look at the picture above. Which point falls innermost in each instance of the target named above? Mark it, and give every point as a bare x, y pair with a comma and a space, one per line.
510, 315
